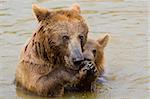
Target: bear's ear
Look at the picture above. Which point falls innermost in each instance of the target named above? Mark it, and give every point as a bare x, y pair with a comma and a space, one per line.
76, 7
103, 41
39, 12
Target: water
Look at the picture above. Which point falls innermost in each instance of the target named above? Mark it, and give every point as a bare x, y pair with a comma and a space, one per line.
127, 61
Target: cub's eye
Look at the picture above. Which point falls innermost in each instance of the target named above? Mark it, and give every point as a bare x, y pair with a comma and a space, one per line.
65, 38
94, 51
81, 37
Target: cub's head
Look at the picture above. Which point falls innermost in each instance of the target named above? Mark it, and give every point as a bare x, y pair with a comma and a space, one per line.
94, 51
63, 33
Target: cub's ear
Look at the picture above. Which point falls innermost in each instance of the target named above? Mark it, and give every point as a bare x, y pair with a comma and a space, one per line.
76, 7
103, 41
39, 12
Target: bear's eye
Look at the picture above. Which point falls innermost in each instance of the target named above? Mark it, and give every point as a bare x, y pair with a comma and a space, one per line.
65, 38
94, 51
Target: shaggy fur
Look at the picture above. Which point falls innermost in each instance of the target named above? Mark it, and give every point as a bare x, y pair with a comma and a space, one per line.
45, 64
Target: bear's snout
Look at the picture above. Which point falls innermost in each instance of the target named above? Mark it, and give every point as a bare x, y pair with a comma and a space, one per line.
77, 57
75, 50
77, 61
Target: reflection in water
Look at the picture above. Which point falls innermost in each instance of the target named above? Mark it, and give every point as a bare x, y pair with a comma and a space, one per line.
126, 55
27, 95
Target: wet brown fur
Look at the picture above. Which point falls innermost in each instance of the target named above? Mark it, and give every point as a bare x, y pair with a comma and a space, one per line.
87, 84
42, 68
99, 46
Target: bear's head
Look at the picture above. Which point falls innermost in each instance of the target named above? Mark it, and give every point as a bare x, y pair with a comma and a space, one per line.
63, 34
94, 51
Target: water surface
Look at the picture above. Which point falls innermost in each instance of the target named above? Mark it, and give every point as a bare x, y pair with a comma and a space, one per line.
127, 61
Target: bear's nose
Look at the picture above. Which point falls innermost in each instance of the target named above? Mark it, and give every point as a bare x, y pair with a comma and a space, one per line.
87, 59
77, 61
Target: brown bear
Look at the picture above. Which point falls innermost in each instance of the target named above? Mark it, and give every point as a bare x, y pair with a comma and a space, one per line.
51, 58
93, 52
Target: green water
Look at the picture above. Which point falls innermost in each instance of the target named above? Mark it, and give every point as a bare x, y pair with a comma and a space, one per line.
127, 62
